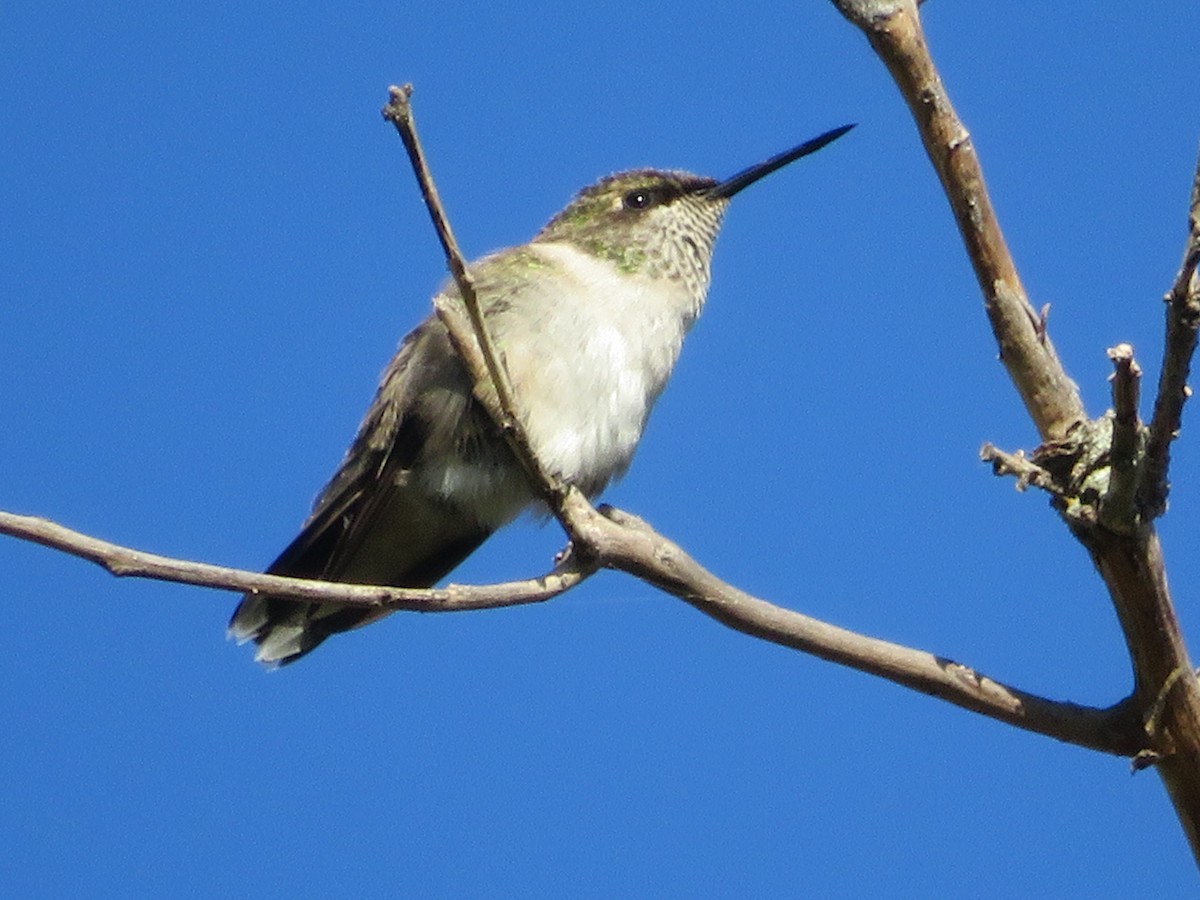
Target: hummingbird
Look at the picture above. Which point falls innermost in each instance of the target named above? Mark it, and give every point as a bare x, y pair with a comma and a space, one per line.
588, 317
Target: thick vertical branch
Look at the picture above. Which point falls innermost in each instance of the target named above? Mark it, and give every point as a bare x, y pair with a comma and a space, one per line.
1165, 686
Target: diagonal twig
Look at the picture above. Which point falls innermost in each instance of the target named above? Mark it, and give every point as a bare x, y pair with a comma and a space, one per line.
1183, 318
474, 343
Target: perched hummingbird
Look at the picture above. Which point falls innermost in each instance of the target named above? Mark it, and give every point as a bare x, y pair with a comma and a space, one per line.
589, 318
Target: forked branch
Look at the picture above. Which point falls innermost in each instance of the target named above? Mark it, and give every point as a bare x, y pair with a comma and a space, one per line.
1114, 524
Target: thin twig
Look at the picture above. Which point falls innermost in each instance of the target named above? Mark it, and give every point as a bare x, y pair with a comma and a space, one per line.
463, 335
398, 111
1183, 318
1027, 471
487, 366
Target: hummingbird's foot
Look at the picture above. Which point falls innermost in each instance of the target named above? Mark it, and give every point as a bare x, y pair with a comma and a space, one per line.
564, 556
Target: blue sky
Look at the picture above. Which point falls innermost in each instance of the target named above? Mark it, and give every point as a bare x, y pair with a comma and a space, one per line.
210, 245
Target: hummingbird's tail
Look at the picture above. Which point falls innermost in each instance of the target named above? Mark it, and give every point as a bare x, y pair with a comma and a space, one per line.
425, 482
399, 540
286, 630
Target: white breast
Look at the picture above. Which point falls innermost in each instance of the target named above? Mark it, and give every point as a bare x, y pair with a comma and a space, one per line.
597, 352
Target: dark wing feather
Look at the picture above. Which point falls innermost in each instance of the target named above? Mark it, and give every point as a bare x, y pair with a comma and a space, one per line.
371, 525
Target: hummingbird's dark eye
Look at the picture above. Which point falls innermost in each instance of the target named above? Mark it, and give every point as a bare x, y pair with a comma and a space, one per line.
639, 199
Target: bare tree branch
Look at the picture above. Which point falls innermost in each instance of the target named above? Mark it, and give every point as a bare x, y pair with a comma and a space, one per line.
1126, 553
623, 542
1117, 510
1183, 318
619, 541
474, 344
1159, 724
127, 562
894, 30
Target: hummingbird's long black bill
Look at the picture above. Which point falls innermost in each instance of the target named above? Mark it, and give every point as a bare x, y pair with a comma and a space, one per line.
747, 177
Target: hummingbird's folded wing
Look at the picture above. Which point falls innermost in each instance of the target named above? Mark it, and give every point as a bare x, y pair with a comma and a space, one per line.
378, 521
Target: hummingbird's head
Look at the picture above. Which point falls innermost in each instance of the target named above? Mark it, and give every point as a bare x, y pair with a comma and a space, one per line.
647, 221
661, 223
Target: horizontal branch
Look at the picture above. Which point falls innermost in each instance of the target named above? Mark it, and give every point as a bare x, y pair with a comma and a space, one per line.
129, 563
623, 542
